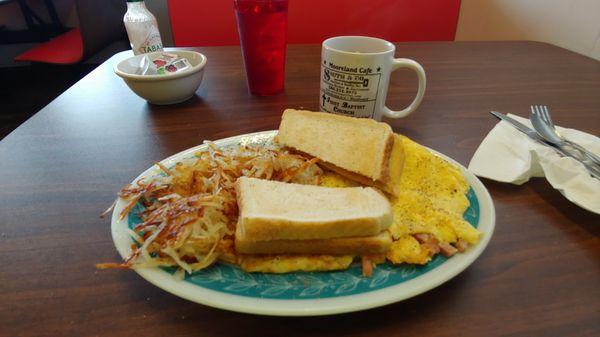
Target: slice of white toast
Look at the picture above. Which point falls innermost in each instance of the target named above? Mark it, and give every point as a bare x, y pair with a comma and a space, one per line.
357, 148
363, 245
272, 210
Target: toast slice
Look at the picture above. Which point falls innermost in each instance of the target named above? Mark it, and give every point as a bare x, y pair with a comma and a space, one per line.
357, 148
272, 210
365, 245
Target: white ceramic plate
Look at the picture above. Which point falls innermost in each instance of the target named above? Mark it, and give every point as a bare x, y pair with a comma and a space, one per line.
309, 294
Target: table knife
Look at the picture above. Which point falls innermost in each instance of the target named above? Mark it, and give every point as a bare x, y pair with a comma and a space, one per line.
538, 139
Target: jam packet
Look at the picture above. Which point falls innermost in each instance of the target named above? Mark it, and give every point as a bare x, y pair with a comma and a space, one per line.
165, 63
162, 63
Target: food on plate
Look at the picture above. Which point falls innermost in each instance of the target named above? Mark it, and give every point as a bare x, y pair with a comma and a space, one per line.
290, 263
357, 148
190, 212
260, 207
354, 245
273, 210
428, 208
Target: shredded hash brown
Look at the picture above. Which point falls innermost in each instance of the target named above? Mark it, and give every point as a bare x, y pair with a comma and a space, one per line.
190, 211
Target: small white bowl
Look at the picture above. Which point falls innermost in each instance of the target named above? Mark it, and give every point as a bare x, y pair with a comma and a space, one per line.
168, 88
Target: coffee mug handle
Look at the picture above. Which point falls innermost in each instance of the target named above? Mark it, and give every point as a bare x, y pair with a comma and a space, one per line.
408, 63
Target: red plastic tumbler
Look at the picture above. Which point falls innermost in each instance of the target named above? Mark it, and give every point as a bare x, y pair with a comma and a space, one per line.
262, 25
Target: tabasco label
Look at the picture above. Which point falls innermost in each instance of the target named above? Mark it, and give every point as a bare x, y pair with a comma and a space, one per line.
152, 42
144, 37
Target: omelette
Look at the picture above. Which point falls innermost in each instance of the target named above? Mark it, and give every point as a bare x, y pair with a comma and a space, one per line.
288, 263
429, 207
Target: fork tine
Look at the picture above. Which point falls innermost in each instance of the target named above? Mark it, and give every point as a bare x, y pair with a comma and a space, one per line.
541, 112
532, 110
547, 116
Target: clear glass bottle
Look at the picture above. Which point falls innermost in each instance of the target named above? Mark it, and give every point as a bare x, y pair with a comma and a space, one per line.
142, 28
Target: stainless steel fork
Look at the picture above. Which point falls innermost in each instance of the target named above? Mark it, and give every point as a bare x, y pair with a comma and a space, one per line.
542, 123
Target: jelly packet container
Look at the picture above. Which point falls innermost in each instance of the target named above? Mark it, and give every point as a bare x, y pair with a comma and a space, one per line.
161, 64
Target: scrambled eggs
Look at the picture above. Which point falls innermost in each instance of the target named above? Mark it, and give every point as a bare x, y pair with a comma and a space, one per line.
432, 200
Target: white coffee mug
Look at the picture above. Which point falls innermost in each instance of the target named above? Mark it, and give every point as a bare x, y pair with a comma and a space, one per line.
355, 73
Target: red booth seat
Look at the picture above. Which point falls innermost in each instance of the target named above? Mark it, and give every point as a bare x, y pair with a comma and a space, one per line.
212, 22
66, 48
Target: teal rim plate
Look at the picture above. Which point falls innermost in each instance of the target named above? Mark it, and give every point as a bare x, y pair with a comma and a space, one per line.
314, 293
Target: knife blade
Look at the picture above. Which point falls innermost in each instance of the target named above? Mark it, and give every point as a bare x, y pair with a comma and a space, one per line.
522, 127
538, 139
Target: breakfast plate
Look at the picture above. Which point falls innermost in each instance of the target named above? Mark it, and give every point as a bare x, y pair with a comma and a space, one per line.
307, 293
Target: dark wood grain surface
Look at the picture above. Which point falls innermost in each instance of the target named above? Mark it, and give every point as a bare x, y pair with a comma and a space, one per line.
540, 275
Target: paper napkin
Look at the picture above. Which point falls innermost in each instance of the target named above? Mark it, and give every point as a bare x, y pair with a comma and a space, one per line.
507, 155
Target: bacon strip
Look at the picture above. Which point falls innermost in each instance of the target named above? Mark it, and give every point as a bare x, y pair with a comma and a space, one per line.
447, 249
367, 266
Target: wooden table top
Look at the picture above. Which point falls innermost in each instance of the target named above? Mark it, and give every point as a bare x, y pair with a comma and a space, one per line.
539, 276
